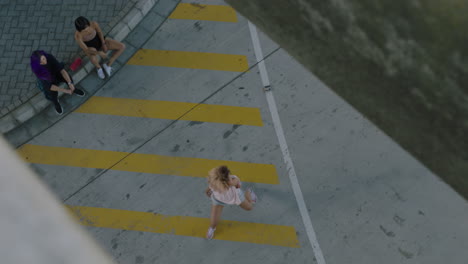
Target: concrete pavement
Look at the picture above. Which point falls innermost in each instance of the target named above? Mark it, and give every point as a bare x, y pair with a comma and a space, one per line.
368, 200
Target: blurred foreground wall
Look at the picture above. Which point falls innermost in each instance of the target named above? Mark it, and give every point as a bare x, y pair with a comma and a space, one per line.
34, 226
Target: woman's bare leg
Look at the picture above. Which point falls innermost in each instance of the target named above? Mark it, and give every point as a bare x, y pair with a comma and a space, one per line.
102, 54
216, 211
118, 48
248, 197
246, 205
94, 60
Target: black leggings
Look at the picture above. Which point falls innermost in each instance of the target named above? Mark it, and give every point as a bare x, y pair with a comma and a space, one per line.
53, 95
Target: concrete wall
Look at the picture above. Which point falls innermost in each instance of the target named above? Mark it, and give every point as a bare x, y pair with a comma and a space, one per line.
34, 225
402, 63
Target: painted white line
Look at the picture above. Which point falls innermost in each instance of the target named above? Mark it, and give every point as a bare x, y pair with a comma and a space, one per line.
259, 55
285, 150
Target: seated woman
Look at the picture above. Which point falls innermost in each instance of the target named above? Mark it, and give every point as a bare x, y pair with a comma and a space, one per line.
50, 74
89, 37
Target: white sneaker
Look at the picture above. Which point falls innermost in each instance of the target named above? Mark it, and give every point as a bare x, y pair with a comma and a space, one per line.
253, 196
210, 233
108, 69
100, 73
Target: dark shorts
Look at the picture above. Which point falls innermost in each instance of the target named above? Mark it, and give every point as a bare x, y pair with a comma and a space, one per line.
94, 43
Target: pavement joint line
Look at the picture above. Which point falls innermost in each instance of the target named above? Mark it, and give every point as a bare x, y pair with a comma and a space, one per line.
144, 163
285, 151
9, 121
228, 230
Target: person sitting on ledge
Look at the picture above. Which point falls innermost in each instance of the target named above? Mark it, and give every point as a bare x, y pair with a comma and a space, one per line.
90, 38
50, 73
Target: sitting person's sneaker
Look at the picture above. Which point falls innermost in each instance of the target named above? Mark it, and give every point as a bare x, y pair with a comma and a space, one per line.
210, 233
108, 69
58, 108
79, 92
100, 73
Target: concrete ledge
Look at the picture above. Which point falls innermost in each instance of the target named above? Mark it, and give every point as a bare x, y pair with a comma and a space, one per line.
80, 75
24, 112
133, 18
88, 66
165, 7
7, 123
145, 6
38, 103
120, 32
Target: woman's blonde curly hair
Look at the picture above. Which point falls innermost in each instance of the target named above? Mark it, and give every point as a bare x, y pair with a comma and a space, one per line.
218, 178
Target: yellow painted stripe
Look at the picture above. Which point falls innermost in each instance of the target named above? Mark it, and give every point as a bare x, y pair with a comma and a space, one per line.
189, 59
145, 163
276, 235
172, 110
204, 12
